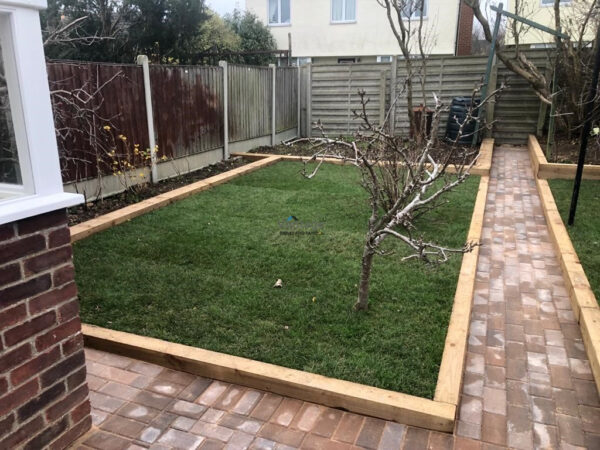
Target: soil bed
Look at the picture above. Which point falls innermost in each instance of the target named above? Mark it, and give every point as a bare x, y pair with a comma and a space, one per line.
201, 272
99, 207
567, 151
307, 149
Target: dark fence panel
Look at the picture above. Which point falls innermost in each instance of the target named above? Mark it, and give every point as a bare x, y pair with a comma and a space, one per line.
88, 96
188, 108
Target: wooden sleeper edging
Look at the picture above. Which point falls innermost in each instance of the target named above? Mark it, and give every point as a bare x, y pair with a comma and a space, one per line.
582, 298
438, 414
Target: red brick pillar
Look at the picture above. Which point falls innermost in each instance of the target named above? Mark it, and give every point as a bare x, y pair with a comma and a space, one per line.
43, 390
464, 34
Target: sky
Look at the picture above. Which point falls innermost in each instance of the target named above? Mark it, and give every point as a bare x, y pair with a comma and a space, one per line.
225, 6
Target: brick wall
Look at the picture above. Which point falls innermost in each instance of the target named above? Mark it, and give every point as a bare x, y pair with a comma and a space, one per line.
464, 38
43, 390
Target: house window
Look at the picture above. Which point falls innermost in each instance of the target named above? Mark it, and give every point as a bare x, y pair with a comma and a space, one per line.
279, 12
343, 11
415, 9
10, 172
30, 179
384, 59
304, 60
346, 60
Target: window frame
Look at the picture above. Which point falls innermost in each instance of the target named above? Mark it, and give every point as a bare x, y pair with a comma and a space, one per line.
11, 73
41, 189
344, 21
279, 23
414, 17
381, 57
551, 4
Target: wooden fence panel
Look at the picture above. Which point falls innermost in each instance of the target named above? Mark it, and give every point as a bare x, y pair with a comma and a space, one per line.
188, 108
447, 77
250, 101
518, 108
334, 89
334, 94
116, 99
286, 98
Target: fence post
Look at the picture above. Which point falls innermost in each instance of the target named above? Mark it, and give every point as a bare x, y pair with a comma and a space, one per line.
491, 106
382, 98
298, 93
309, 100
223, 65
393, 82
273, 68
543, 110
142, 60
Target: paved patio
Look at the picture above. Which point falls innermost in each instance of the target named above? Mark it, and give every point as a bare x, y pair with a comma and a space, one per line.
528, 382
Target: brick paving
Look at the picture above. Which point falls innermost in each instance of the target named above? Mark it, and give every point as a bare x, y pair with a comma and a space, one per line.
528, 383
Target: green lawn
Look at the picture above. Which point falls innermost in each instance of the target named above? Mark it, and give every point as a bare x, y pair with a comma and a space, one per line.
585, 234
201, 272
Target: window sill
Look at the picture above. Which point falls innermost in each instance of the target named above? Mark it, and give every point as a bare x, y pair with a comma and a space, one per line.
279, 25
342, 22
21, 207
551, 5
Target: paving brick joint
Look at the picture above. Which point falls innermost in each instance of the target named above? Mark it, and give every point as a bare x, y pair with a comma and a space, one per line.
527, 380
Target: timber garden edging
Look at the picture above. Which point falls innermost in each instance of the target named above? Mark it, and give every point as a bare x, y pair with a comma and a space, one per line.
438, 414
548, 171
583, 301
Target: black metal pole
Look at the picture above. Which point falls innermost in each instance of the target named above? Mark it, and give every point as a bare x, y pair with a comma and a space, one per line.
587, 126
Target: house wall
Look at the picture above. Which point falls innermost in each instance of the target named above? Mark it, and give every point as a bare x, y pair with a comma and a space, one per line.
313, 34
571, 12
43, 390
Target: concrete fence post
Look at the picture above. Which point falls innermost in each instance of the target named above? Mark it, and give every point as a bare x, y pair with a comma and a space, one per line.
393, 83
490, 108
382, 90
309, 100
142, 60
273, 68
298, 94
223, 65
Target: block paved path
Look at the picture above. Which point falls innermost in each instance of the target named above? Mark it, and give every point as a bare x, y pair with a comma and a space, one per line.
528, 383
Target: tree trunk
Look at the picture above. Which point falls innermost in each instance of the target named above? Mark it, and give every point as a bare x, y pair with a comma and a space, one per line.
362, 304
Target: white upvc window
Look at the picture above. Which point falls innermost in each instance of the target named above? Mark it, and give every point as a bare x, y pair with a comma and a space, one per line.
414, 9
300, 61
343, 11
279, 12
551, 2
384, 59
30, 178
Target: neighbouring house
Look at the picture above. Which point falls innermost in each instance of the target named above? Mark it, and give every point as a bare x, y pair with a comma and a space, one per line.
347, 31
573, 13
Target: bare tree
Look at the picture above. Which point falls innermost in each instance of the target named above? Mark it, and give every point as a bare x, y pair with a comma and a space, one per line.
404, 179
571, 57
413, 40
514, 59
574, 61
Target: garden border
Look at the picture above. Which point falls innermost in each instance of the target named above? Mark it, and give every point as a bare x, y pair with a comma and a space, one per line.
93, 226
583, 301
548, 171
438, 414
481, 168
